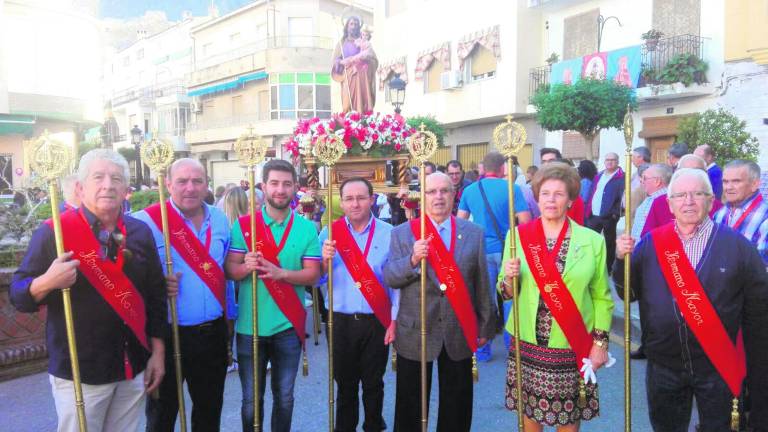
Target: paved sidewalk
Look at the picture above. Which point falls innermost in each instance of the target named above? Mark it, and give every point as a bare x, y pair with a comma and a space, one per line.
27, 404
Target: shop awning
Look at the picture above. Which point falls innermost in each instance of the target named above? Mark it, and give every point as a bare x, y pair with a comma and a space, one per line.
229, 85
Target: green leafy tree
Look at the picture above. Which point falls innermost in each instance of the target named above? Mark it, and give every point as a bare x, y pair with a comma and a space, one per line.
587, 107
129, 153
430, 124
723, 131
142, 199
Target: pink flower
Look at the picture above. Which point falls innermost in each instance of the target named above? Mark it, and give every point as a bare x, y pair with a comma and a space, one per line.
398, 147
375, 137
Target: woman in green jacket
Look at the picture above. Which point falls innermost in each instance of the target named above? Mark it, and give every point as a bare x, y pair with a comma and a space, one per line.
553, 388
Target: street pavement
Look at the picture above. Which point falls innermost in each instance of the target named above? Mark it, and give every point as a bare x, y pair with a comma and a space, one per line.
26, 403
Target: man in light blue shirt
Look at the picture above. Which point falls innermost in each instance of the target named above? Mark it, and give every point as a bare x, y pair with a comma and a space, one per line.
487, 201
203, 331
361, 339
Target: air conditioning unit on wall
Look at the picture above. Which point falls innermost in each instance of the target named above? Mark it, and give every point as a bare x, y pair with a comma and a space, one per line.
450, 80
196, 107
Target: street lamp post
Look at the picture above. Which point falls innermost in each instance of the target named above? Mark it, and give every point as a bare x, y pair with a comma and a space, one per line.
137, 137
397, 98
397, 92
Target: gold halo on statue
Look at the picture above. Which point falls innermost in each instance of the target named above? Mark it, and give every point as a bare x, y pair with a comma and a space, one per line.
328, 149
629, 128
157, 153
422, 144
250, 148
509, 137
50, 157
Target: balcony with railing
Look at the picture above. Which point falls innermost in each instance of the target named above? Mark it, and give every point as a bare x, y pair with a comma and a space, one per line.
252, 57
227, 129
538, 79
147, 95
673, 67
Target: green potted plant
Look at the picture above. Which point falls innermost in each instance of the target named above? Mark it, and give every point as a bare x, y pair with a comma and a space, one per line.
552, 59
651, 38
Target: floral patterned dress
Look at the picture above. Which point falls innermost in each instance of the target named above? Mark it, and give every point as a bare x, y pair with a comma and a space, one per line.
550, 376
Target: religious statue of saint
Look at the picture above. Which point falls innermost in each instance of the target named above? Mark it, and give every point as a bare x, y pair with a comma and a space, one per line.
354, 66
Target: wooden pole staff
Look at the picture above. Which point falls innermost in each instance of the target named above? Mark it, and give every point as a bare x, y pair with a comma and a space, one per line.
158, 156
422, 145
328, 150
628, 135
509, 137
50, 158
251, 149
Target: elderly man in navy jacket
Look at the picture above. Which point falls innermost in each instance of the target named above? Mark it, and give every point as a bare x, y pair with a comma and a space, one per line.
604, 204
701, 287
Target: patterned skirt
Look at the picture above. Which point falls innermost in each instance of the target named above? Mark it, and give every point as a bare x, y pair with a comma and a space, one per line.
550, 386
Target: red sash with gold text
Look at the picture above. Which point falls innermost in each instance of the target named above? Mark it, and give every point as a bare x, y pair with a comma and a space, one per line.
282, 293
194, 253
451, 281
728, 357
106, 277
552, 287
358, 267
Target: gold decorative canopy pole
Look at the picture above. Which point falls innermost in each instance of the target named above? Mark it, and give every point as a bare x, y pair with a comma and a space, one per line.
158, 155
50, 158
422, 145
250, 150
328, 150
629, 132
509, 137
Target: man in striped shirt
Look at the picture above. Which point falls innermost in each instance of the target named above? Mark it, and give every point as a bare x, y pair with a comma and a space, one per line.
745, 209
654, 181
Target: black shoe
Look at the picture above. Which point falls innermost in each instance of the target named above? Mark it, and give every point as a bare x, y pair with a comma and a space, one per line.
638, 354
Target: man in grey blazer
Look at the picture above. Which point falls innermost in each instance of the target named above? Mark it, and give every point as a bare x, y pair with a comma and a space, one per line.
446, 341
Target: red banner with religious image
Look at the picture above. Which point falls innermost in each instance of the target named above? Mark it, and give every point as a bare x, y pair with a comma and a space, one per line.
728, 357
451, 281
283, 293
358, 267
106, 276
194, 253
552, 288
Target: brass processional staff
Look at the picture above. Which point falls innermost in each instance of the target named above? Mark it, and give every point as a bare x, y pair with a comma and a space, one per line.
509, 138
629, 132
158, 155
50, 159
250, 150
422, 145
328, 150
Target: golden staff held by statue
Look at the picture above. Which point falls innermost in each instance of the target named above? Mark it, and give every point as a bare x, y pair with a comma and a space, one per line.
328, 150
422, 145
50, 159
250, 150
158, 155
509, 137
629, 132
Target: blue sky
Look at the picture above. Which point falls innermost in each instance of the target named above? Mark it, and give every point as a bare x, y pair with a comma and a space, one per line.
173, 8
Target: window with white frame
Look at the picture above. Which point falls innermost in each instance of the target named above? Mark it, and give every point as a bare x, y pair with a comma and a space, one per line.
480, 65
300, 95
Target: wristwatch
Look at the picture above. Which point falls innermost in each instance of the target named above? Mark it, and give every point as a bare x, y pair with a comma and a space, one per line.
601, 344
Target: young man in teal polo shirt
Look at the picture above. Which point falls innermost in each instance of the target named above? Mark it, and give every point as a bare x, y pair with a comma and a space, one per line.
298, 254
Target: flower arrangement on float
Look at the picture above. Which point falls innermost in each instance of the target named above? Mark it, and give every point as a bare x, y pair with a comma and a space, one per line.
371, 133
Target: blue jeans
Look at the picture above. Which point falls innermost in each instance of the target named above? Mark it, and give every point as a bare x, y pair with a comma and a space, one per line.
494, 265
670, 395
283, 351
